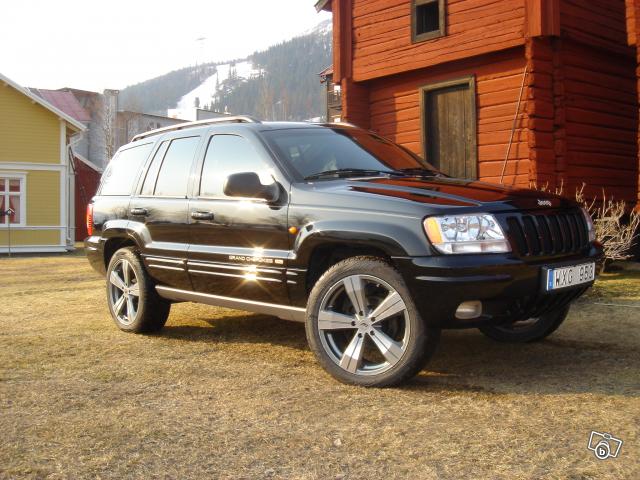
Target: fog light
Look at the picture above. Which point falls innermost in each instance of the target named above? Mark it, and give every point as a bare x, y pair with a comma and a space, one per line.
469, 310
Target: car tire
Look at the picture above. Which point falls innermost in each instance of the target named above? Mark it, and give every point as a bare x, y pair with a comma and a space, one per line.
526, 331
134, 304
349, 341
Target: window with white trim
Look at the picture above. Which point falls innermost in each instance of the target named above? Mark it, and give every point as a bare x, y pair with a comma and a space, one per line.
12, 197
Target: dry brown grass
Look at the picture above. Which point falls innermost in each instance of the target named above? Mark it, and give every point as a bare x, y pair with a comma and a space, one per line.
222, 394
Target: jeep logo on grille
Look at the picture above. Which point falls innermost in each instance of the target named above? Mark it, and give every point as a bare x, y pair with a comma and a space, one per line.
544, 203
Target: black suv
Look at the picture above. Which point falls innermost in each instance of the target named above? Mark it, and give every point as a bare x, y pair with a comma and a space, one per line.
369, 245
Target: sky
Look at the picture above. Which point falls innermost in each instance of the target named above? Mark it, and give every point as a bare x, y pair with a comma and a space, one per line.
98, 44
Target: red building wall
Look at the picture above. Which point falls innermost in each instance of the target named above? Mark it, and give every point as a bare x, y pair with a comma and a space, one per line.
382, 34
582, 118
601, 121
86, 184
600, 23
633, 28
578, 122
395, 110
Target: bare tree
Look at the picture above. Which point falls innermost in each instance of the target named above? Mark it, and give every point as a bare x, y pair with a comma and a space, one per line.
614, 229
108, 122
266, 98
286, 104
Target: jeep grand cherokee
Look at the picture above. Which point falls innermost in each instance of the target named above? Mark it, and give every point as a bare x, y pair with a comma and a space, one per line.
368, 244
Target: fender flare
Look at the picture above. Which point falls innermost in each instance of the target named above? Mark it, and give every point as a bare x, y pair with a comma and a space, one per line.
122, 230
358, 233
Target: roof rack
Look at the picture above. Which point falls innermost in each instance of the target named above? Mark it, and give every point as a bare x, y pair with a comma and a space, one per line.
199, 123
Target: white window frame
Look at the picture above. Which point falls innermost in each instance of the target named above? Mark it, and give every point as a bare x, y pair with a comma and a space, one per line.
22, 178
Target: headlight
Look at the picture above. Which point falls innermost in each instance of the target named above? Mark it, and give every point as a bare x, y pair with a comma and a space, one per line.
591, 228
479, 233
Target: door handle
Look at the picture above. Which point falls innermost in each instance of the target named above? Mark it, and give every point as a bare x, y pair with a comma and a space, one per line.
202, 215
142, 212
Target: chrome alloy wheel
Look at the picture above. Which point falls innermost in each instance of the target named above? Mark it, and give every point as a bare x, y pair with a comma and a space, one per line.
124, 292
364, 325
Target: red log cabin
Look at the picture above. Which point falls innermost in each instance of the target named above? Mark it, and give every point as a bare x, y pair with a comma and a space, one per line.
518, 92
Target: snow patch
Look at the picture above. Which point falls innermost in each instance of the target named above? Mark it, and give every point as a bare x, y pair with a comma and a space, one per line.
322, 28
207, 89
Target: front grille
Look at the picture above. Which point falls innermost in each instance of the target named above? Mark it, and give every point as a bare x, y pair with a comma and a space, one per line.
537, 234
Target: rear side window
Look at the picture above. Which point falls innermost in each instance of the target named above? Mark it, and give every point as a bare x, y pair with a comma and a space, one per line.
228, 154
154, 168
173, 177
123, 170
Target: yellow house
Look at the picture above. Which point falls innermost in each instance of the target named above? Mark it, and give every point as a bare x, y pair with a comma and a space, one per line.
36, 182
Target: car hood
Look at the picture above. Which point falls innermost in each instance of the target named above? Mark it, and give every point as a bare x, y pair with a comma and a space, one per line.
443, 191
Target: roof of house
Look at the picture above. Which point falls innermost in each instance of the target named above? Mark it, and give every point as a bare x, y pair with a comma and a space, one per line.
65, 101
75, 124
87, 162
152, 115
323, 5
326, 71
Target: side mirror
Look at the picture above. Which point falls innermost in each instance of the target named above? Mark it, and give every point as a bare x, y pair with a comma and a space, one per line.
248, 185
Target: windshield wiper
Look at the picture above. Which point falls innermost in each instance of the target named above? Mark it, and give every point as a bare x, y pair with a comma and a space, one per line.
347, 172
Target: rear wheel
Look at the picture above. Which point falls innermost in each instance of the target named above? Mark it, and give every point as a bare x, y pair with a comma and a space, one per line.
363, 326
530, 330
133, 301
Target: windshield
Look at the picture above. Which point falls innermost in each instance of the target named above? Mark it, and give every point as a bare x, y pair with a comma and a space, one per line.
337, 150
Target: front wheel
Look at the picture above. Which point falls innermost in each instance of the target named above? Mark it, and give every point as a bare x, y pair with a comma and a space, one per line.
363, 326
530, 330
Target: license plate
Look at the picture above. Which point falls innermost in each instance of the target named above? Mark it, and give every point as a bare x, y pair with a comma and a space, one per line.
565, 277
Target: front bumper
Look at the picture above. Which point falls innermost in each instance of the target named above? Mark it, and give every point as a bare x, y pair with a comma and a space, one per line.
509, 288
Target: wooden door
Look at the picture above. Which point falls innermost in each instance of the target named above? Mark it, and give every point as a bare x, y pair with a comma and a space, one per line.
449, 127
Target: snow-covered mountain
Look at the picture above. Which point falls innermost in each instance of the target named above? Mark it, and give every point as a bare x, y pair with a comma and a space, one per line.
323, 28
202, 96
280, 83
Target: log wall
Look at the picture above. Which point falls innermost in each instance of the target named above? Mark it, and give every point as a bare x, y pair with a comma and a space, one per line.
583, 118
601, 109
382, 34
579, 118
545, 123
633, 27
395, 111
598, 23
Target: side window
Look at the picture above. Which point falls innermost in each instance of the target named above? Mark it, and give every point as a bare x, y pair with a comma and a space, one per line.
173, 177
427, 19
154, 168
123, 170
12, 199
228, 154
